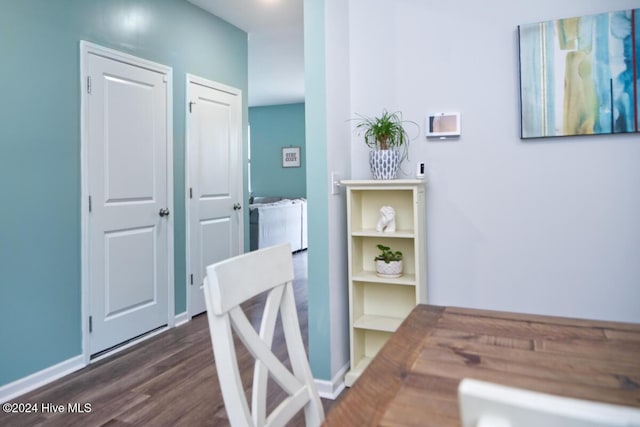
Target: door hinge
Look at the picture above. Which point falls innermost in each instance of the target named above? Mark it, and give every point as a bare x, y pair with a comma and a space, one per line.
89, 203
90, 324
191, 192
192, 279
88, 84
190, 105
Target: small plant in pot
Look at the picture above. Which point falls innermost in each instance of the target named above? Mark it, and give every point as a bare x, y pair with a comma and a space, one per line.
388, 262
389, 142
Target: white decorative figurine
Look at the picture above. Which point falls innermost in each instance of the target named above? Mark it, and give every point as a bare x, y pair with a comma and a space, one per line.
386, 220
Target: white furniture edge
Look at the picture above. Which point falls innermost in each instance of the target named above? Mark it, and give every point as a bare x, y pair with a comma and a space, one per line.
484, 403
387, 183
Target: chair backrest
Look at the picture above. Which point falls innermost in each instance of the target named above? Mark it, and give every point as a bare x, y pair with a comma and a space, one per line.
485, 404
228, 284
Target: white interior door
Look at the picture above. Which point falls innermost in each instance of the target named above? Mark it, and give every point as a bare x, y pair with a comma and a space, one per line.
214, 165
127, 182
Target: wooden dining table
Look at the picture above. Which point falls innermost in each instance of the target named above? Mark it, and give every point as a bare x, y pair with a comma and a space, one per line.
413, 380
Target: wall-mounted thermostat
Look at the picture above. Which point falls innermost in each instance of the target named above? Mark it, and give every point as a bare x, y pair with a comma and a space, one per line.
443, 125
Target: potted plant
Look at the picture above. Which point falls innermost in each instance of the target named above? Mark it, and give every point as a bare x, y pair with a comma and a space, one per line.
389, 142
388, 262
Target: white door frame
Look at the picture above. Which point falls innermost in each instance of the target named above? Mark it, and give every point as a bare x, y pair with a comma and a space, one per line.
190, 78
86, 49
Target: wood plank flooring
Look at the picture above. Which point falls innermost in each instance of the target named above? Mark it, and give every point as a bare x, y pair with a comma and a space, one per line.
168, 380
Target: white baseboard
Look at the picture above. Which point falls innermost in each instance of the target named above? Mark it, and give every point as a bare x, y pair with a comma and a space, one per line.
40, 378
181, 319
332, 389
52, 373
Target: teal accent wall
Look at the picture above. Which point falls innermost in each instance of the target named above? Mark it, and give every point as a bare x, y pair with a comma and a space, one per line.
40, 260
317, 189
272, 128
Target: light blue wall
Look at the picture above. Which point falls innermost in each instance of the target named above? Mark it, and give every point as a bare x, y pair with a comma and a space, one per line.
274, 127
40, 265
317, 189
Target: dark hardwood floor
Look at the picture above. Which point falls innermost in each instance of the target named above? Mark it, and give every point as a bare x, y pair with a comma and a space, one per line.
167, 380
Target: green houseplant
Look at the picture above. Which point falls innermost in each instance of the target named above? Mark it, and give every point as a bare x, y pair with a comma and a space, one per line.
388, 262
389, 141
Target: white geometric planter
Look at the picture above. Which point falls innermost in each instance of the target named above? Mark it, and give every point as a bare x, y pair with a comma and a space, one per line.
389, 270
384, 163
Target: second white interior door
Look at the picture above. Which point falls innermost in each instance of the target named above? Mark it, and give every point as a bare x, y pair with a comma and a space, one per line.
214, 149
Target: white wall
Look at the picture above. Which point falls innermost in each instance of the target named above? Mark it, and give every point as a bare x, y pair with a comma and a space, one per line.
547, 226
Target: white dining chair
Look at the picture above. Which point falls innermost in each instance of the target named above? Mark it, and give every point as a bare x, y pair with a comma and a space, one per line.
484, 404
227, 285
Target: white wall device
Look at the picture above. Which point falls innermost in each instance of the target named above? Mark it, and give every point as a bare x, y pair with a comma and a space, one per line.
442, 125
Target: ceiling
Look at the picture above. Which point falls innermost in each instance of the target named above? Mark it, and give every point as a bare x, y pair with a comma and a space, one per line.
276, 46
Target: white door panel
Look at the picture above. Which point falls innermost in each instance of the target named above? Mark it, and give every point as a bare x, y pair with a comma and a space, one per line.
129, 283
128, 185
214, 169
213, 143
216, 242
129, 152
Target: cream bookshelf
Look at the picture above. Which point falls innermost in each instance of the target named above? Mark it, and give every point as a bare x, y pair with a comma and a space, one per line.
378, 305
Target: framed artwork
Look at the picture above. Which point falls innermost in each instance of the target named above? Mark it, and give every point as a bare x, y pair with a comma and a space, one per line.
579, 76
443, 125
290, 157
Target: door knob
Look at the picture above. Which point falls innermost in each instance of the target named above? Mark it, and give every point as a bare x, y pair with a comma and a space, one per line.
237, 207
164, 212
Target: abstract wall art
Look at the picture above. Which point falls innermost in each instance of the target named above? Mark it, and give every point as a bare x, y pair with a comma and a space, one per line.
580, 76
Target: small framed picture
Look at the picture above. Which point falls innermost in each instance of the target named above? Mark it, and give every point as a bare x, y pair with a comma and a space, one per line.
290, 157
443, 125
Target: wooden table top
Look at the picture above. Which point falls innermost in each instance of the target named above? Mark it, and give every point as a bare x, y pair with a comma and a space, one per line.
413, 380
